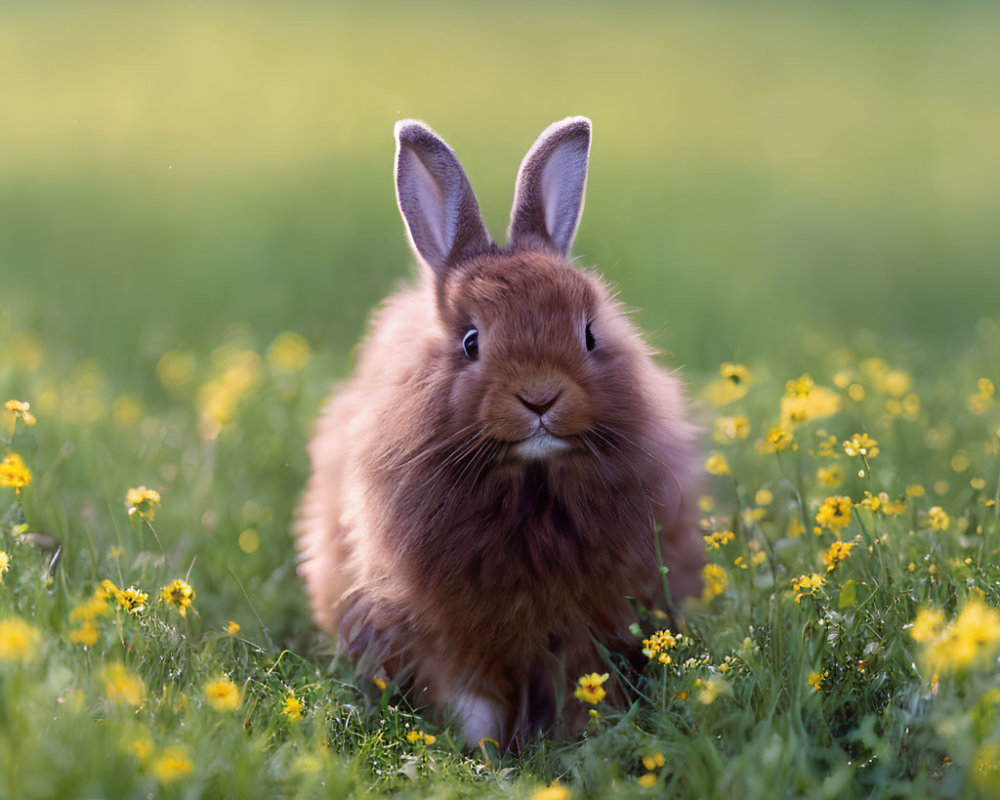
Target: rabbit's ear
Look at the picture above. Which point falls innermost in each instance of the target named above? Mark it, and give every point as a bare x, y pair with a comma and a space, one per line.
550, 185
437, 203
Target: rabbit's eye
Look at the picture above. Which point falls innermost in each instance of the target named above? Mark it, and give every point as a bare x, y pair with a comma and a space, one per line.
470, 343
588, 336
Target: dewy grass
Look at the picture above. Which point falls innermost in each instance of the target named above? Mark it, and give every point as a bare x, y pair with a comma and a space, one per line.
854, 656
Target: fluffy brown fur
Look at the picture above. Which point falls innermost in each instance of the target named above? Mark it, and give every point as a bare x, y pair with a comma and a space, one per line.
473, 525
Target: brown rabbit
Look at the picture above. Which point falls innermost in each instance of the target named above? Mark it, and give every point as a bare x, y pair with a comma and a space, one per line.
487, 489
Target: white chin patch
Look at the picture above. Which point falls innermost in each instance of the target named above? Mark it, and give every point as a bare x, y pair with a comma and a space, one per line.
539, 446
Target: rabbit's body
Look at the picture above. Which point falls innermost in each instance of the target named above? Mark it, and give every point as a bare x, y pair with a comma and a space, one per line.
487, 488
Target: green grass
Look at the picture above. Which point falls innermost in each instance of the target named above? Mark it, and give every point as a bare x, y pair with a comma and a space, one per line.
801, 188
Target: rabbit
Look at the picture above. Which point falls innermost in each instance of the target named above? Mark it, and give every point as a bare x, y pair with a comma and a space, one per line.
507, 469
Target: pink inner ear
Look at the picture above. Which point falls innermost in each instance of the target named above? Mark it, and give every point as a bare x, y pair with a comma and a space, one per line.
429, 207
562, 192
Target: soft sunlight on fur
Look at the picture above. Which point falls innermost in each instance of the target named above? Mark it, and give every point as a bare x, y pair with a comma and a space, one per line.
498, 482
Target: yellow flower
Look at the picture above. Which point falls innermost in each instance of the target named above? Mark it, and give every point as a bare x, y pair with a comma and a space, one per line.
736, 374
807, 585
18, 410
293, 707
829, 476
178, 594
133, 600
381, 684
960, 461
96, 606
173, 763
289, 352
591, 689
915, 490
983, 398
141, 501
4, 563
892, 507
730, 429
777, 439
648, 780
733, 384
838, 552
875, 367
86, 634
219, 399
763, 497
872, 502
87, 612
927, 625
882, 502
835, 513
715, 579
718, 540
896, 383
804, 401
222, 694
827, 445
800, 387
657, 645
938, 518
141, 747
972, 639
18, 640
717, 465
815, 679
176, 370
654, 761
911, 406
552, 792
843, 378
232, 628
710, 690
13, 473
976, 633
756, 559
861, 444
416, 736
122, 686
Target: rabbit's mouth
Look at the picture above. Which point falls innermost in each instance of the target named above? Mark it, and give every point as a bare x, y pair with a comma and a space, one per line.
540, 445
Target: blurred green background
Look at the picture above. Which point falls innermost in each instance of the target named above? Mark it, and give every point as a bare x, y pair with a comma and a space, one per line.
768, 181
758, 170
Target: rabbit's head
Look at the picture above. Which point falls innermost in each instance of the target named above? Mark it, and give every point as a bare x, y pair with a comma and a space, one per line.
540, 359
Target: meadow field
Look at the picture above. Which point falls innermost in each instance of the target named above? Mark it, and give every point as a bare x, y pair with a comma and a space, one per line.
800, 202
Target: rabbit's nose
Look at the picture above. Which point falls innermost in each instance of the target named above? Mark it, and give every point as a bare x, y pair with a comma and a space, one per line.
537, 405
